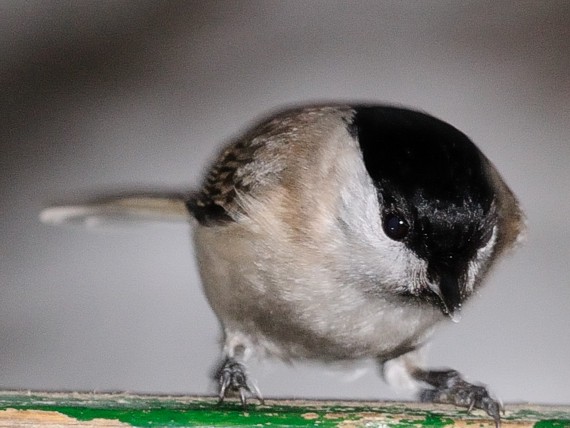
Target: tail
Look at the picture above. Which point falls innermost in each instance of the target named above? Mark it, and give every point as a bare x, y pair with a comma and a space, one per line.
119, 210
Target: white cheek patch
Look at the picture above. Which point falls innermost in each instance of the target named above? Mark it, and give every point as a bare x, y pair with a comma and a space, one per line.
401, 269
418, 273
482, 256
360, 209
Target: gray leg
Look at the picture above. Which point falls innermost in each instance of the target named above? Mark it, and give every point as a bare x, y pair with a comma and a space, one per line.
232, 377
450, 388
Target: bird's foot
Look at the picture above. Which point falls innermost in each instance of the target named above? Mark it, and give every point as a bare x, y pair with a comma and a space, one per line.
232, 378
450, 388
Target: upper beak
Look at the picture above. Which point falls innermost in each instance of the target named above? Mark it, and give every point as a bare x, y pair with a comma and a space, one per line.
448, 288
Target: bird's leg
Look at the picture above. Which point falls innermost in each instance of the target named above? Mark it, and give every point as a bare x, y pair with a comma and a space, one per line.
448, 387
232, 377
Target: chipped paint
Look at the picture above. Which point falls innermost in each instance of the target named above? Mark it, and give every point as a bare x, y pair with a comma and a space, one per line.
119, 410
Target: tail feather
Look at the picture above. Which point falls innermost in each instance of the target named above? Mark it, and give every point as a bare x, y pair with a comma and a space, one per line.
127, 209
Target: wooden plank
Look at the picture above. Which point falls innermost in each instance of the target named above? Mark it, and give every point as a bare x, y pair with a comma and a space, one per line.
35, 409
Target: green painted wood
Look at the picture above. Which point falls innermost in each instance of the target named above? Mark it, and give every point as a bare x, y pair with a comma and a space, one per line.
19, 409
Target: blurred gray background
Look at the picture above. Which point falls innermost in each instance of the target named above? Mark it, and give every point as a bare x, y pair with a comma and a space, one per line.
107, 96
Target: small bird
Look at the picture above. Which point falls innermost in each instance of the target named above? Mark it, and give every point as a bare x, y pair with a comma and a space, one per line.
340, 233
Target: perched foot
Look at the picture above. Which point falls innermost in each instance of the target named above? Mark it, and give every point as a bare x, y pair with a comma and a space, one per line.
232, 377
450, 388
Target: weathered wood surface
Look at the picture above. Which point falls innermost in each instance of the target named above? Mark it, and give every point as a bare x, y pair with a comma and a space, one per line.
34, 409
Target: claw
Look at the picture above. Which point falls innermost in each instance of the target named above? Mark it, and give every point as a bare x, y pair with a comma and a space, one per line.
242, 398
450, 388
232, 377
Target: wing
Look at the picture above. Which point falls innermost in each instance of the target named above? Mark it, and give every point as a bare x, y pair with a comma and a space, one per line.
263, 159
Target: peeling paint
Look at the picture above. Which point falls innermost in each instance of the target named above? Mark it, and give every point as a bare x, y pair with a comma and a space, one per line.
119, 410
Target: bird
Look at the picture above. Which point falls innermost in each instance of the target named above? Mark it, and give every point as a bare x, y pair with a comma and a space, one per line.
337, 233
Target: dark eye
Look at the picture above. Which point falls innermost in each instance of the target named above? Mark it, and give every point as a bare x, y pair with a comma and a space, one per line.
395, 226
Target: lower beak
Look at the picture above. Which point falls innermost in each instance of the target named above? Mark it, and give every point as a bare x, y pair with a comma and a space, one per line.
448, 289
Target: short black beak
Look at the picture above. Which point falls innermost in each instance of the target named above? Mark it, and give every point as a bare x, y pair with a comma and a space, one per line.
450, 292
447, 285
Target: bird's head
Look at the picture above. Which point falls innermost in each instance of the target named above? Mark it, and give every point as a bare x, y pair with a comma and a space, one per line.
438, 203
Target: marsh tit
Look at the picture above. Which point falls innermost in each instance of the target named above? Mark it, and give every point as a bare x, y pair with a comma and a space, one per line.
337, 233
